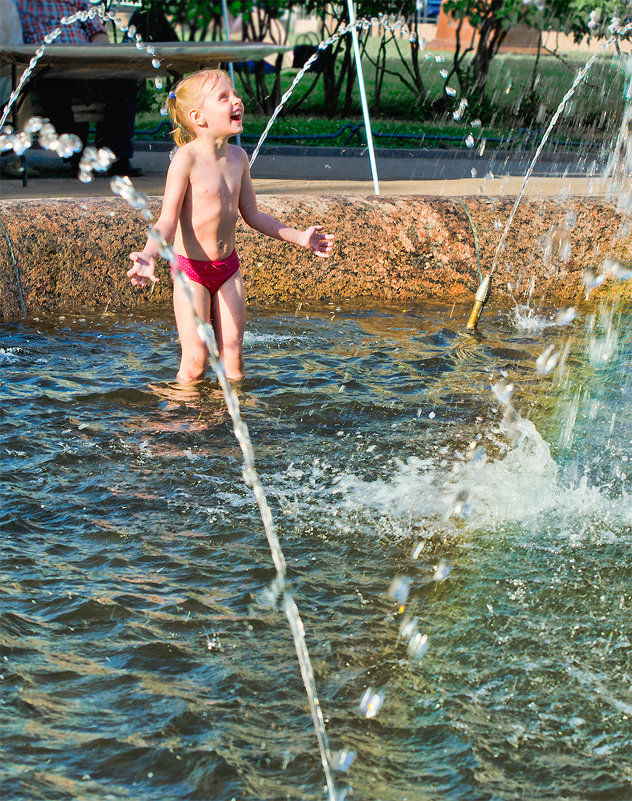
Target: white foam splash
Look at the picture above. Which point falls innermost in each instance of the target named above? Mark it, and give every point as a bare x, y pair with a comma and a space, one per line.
252, 338
523, 485
10, 355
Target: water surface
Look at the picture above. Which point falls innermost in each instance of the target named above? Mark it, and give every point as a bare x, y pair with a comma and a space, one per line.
138, 659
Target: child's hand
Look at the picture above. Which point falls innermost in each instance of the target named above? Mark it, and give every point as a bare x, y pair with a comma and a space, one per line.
142, 270
320, 243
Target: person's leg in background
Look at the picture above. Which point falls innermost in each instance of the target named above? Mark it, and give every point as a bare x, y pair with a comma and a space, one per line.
116, 129
56, 97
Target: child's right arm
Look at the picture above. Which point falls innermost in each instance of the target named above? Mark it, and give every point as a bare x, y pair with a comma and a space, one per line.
176, 187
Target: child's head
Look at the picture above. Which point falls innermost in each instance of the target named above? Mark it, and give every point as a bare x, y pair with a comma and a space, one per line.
186, 95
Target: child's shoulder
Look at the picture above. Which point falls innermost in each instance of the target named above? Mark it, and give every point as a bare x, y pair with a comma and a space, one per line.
183, 159
237, 154
186, 151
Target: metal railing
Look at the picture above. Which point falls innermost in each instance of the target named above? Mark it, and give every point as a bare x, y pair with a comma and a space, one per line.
353, 135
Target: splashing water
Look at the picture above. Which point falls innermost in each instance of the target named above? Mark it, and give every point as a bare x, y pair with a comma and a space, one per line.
619, 34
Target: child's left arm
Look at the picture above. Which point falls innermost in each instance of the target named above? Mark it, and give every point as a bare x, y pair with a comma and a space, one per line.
313, 238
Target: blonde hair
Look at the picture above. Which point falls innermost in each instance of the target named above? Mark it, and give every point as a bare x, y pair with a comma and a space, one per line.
186, 95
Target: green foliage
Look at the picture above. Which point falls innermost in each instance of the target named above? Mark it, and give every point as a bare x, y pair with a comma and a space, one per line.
200, 18
492, 19
573, 16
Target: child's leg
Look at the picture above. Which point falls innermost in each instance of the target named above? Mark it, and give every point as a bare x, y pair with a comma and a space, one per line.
194, 353
229, 321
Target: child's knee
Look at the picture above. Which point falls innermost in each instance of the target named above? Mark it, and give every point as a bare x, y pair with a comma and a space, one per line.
193, 366
233, 358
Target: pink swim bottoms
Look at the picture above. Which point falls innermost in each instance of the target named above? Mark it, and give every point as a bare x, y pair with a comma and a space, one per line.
210, 274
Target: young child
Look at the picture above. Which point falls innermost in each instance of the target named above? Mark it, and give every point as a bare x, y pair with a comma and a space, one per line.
208, 185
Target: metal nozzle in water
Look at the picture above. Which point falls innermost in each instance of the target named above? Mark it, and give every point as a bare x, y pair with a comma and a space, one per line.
480, 299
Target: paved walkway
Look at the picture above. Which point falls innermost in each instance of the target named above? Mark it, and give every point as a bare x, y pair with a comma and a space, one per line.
301, 171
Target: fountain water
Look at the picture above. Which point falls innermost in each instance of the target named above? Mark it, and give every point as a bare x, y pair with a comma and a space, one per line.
456, 496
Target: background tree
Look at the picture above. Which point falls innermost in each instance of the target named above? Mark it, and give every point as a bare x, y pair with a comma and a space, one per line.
408, 47
260, 79
493, 19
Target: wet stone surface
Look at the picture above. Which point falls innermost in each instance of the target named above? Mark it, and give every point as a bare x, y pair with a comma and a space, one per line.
74, 253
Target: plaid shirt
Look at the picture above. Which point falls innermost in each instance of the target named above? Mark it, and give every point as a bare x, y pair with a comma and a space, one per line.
40, 17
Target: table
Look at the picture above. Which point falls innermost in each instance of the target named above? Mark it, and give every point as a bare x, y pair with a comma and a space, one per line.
127, 61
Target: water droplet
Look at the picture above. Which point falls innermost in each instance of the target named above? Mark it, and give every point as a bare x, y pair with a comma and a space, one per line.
342, 760
371, 703
21, 143
503, 392
34, 124
442, 571
66, 146
591, 279
565, 316
159, 83
103, 158
399, 589
155, 63
469, 141
617, 270
418, 549
547, 361
417, 645
450, 91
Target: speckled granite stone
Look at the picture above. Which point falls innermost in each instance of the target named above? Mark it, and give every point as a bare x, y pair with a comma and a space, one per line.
74, 253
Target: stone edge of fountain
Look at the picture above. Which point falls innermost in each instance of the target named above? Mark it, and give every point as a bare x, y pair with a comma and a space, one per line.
74, 253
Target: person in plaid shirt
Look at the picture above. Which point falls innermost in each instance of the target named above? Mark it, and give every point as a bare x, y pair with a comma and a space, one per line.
116, 129
40, 18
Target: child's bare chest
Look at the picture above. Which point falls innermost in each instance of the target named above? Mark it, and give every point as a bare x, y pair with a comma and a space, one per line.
216, 186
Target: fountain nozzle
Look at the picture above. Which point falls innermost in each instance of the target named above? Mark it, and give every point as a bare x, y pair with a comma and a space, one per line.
480, 299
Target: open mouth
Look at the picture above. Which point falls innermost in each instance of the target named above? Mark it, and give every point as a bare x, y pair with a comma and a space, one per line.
236, 116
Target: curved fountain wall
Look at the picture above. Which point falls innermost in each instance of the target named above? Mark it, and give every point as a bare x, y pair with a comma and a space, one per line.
73, 254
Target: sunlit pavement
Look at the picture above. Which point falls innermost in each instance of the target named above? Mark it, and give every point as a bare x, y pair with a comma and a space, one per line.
346, 171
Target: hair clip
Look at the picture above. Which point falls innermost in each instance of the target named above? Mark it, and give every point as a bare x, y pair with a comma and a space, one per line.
172, 95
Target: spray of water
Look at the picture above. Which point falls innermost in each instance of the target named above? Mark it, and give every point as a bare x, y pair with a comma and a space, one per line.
620, 33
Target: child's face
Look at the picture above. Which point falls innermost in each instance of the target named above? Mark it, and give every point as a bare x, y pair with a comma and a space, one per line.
222, 109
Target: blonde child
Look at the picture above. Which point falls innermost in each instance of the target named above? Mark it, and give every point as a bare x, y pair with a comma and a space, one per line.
208, 185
